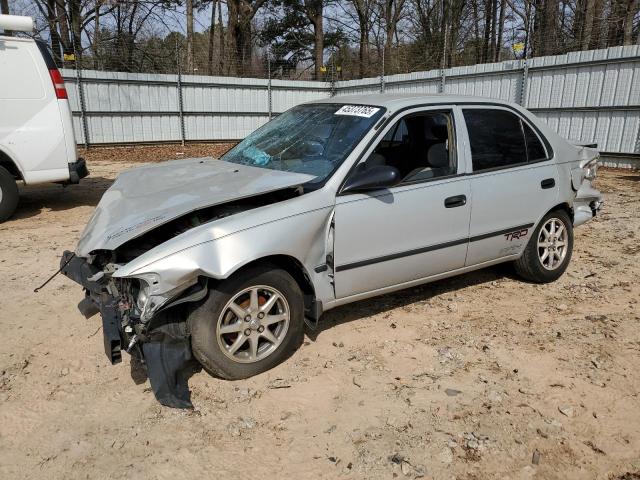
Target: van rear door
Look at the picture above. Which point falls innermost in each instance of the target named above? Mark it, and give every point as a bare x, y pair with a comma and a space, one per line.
35, 126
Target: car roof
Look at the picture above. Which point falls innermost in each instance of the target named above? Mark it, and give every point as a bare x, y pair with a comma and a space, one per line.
399, 101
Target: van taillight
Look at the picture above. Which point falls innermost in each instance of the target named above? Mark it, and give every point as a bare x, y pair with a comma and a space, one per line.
58, 83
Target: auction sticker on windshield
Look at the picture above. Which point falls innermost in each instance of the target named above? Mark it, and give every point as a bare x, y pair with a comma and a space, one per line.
358, 111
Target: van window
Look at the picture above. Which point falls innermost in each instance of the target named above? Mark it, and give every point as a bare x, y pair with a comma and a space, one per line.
20, 78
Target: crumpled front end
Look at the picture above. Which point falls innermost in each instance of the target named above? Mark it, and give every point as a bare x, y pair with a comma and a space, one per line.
138, 323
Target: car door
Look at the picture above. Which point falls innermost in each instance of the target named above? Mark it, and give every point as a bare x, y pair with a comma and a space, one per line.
513, 181
414, 230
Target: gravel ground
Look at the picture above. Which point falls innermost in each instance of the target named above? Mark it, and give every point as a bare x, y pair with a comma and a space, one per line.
480, 376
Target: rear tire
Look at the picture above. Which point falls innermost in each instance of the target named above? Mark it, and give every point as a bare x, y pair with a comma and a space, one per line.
549, 250
8, 194
248, 324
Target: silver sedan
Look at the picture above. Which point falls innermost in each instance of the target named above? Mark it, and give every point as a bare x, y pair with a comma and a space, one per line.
331, 202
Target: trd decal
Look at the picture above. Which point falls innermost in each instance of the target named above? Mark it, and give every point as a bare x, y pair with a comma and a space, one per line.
518, 234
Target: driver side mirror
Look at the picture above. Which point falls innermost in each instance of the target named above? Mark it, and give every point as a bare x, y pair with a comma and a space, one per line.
372, 178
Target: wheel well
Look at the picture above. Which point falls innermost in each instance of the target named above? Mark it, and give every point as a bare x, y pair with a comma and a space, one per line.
294, 268
10, 166
566, 207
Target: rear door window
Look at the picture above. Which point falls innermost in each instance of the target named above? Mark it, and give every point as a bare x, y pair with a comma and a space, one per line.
496, 138
20, 77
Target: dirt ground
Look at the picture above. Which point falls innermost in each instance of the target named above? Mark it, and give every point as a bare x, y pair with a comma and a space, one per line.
480, 376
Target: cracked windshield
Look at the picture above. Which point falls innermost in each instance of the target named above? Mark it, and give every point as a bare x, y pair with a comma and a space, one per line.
311, 139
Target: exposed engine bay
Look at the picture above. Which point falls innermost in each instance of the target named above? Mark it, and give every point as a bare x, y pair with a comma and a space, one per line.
154, 333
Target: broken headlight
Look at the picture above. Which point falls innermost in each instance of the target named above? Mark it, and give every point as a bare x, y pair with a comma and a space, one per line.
147, 304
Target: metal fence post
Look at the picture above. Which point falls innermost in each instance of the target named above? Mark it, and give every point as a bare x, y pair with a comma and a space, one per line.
523, 83
180, 99
382, 85
269, 98
443, 78
83, 108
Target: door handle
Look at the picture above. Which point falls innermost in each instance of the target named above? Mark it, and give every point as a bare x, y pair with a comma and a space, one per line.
548, 183
456, 201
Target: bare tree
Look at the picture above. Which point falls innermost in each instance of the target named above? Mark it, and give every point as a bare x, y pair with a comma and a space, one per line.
314, 10
364, 10
189, 16
239, 40
392, 11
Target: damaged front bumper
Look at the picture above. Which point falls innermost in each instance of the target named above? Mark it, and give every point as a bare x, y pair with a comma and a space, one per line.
97, 300
164, 349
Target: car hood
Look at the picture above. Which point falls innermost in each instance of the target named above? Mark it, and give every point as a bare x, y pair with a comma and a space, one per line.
146, 197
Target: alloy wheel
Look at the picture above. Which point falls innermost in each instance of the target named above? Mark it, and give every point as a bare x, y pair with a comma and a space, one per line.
253, 324
553, 243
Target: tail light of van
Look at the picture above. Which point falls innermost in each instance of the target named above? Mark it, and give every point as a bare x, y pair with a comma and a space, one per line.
58, 83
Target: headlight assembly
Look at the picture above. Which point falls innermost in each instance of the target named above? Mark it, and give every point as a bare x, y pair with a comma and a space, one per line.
146, 302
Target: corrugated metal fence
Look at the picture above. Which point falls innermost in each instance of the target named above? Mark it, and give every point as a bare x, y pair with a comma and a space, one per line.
591, 96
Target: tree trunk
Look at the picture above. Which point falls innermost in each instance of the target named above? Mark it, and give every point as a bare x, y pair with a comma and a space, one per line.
588, 25
53, 31
363, 12
476, 30
221, 35
190, 65
314, 10
240, 14
494, 21
212, 32
4, 9
318, 45
63, 24
632, 9
597, 23
503, 5
75, 19
616, 23
130, 42
392, 11
96, 36
488, 16
363, 51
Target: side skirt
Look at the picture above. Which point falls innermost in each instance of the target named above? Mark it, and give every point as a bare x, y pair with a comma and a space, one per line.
412, 283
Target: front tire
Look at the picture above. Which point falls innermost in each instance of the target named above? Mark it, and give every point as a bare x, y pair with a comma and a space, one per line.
248, 324
8, 195
549, 250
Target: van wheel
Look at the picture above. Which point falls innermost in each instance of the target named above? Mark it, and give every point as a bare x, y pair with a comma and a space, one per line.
248, 324
8, 194
548, 252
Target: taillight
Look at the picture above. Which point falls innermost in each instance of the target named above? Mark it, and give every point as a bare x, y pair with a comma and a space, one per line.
58, 83
591, 169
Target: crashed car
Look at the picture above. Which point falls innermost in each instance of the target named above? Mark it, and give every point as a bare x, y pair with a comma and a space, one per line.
329, 203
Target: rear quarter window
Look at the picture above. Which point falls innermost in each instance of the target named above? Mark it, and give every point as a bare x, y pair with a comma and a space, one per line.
20, 77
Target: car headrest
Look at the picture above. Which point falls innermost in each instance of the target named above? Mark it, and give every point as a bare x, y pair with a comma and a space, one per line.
440, 132
438, 156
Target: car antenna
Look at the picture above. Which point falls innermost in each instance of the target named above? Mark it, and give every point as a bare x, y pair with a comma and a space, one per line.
36, 290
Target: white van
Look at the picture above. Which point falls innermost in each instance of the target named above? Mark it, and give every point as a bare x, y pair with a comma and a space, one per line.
37, 143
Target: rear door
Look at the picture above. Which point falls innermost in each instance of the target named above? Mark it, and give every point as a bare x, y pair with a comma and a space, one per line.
31, 128
513, 181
